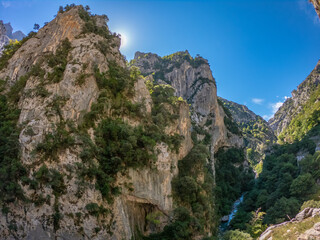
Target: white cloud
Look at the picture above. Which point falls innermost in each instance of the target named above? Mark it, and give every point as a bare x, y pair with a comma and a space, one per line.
276, 106
257, 100
6, 4
267, 117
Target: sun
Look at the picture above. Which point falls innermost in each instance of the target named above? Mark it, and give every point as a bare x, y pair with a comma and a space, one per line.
124, 40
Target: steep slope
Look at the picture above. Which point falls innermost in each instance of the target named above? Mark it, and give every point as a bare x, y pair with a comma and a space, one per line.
192, 80
89, 161
93, 150
299, 113
256, 132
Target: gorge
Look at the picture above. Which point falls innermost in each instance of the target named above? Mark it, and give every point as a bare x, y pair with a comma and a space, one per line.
95, 147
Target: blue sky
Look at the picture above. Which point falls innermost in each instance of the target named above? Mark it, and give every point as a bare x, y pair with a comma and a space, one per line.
258, 50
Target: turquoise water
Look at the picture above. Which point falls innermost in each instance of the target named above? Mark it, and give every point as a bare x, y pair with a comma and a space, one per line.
224, 225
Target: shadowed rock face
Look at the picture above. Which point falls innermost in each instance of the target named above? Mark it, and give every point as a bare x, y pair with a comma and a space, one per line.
6, 34
257, 133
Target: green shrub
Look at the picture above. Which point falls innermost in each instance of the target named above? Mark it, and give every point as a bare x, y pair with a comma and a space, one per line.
52, 178
58, 61
55, 141
310, 204
90, 25
8, 52
11, 169
236, 235
96, 210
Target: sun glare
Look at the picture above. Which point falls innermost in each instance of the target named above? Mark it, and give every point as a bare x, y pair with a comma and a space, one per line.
124, 40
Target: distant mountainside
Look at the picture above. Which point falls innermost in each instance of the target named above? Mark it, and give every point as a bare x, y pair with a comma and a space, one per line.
300, 113
258, 135
6, 34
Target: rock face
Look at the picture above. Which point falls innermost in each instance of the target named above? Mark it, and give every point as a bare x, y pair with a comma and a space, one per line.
257, 133
67, 80
301, 219
6, 34
193, 81
150, 188
294, 105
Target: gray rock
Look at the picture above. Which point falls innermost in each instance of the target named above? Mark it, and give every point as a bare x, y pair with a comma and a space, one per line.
6, 34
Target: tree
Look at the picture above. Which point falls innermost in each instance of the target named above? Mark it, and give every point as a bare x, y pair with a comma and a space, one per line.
302, 185
36, 26
256, 226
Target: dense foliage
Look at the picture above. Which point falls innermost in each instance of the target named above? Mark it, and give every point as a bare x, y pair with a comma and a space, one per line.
58, 61
11, 169
283, 185
193, 190
308, 118
231, 178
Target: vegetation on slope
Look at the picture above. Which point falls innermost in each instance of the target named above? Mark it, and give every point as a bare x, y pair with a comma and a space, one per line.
258, 136
284, 184
193, 193
308, 118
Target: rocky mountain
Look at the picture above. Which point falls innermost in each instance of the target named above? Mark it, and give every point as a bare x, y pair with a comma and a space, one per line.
92, 149
299, 113
6, 34
192, 80
258, 136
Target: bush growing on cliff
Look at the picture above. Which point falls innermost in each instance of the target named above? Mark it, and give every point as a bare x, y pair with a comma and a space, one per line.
58, 61
11, 169
118, 147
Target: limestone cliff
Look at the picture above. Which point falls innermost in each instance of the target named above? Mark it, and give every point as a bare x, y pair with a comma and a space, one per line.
257, 133
192, 80
61, 80
99, 151
296, 108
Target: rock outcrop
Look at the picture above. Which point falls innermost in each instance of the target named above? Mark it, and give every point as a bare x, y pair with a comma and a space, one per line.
49, 102
193, 81
75, 93
304, 219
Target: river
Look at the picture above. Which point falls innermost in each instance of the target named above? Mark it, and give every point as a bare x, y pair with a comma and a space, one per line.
224, 225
